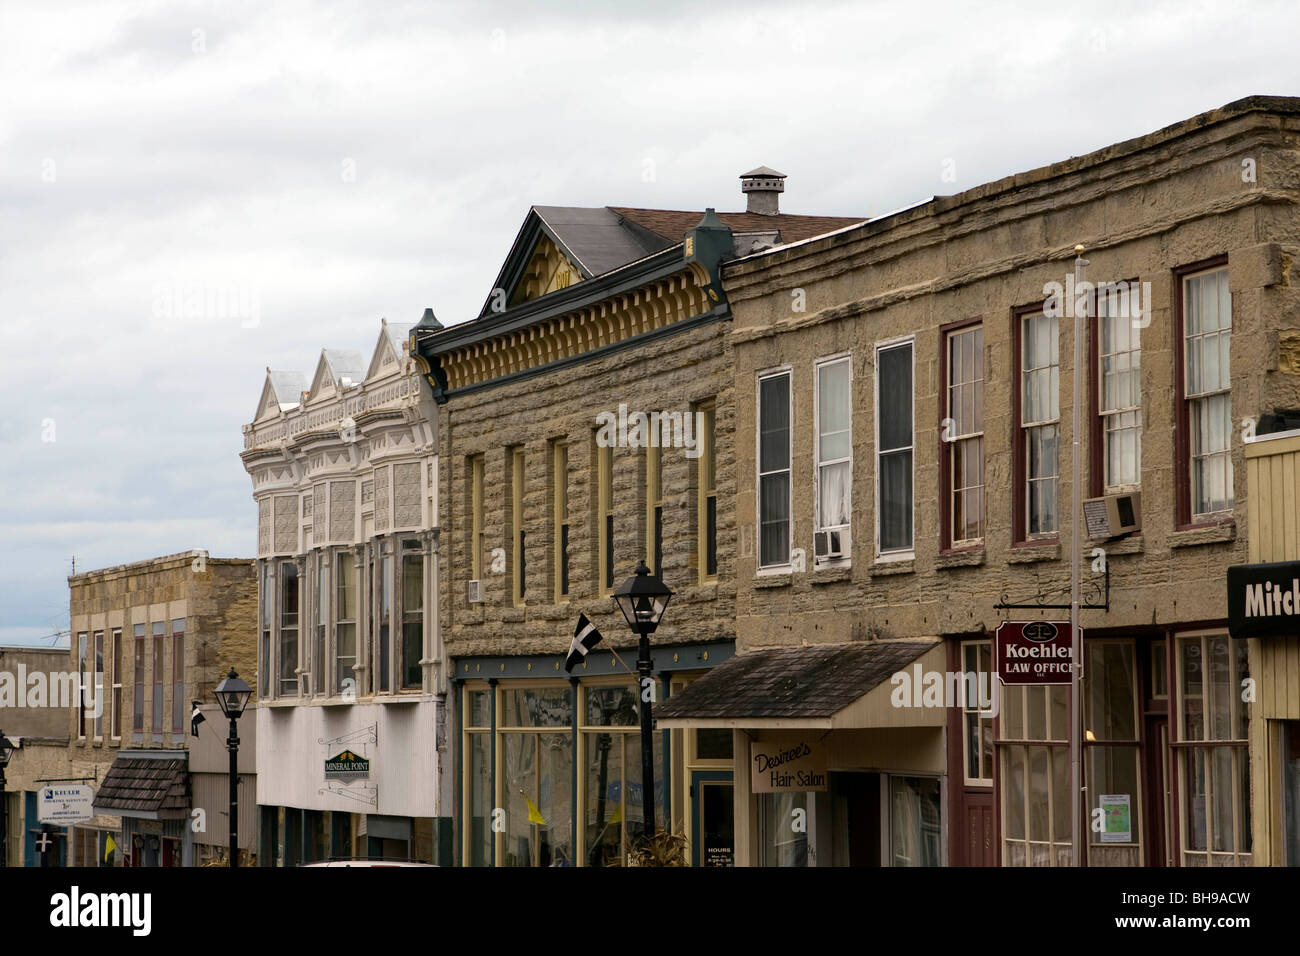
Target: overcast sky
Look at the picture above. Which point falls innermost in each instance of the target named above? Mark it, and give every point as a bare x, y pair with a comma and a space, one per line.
337, 162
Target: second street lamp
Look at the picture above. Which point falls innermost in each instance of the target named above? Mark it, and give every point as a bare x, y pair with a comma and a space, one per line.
232, 697
643, 598
6, 751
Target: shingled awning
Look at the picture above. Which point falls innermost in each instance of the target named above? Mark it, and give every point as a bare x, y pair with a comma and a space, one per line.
832, 686
146, 787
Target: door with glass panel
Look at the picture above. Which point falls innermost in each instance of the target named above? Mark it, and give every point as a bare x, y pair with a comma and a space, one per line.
713, 837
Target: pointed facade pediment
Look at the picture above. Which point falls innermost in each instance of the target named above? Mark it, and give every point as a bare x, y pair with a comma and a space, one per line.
280, 392
546, 269
389, 350
337, 368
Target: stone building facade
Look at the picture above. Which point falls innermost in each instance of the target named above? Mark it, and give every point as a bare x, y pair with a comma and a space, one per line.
344, 467
553, 490
155, 636
903, 431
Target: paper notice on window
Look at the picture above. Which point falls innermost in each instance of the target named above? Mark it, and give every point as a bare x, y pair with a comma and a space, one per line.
1116, 818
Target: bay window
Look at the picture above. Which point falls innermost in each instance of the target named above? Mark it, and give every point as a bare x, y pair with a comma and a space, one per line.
774, 453
288, 674
412, 614
345, 630
322, 622
894, 437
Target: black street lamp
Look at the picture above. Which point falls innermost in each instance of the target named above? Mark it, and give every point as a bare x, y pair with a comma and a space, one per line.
642, 598
6, 751
232, 697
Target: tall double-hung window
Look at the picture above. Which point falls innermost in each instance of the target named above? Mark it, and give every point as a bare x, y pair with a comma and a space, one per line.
774, 490
1039, 426
1206, 420
894, 443
834, 504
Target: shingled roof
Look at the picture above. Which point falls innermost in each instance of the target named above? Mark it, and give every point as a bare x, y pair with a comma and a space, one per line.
672, 224
149, 787
792, 682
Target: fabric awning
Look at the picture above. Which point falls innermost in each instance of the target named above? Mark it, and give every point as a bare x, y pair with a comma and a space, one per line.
146, 787
838, 686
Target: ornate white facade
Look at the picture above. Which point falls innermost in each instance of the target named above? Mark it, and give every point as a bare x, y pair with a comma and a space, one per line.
345, 476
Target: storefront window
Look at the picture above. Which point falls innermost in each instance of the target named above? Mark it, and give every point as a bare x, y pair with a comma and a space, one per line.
537, 774
915, 821
1111, 760
479, 798
976, 661
612, 794
783, 829
1215, 772
1034, 756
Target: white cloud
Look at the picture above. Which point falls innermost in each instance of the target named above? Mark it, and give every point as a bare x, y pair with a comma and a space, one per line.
132, 161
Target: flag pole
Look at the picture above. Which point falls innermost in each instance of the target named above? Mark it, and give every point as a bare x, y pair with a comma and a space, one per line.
1076, 642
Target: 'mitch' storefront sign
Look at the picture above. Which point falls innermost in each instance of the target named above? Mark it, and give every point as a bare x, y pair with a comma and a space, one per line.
1264, 599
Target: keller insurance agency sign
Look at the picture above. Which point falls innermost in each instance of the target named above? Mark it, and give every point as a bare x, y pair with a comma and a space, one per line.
65, 803
1033, 652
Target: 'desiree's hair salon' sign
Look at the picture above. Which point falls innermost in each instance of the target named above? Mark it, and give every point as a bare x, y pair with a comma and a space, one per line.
1264, 599
786, 765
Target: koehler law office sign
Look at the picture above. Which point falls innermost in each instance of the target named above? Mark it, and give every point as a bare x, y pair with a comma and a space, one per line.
1264, 599
1033, 652
65, 803
787, 765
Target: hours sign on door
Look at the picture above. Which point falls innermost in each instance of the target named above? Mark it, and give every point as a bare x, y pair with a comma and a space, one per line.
1033, 652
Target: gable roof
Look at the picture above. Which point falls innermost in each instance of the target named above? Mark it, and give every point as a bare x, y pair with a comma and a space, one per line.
600, 239
280, 392
390, 347
337, 367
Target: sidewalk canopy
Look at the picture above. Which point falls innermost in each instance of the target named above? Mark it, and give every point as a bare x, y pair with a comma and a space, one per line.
832, 686
146, 788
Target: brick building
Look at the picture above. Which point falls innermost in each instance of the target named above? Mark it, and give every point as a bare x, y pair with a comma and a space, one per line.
903, 433
154, 636
552, 491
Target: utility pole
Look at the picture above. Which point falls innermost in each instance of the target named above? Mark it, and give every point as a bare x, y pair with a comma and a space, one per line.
1080, 307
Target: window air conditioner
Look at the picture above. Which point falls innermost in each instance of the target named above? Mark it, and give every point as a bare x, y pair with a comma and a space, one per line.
831, 544
1113, 515
475, 592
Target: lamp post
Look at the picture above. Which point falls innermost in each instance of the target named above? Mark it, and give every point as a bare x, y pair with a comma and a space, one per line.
642, 598
232, 697
6, 751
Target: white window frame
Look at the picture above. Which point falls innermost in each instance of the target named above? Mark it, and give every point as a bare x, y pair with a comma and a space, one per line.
969, 712
908, 553
1106, 294
1203, 398
783, 567
1025, 428
957, 438
846, 359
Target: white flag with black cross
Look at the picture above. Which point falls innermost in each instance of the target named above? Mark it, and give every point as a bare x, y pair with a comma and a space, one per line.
585, 637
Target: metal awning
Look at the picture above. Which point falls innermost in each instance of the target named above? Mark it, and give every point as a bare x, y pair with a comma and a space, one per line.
834, 687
